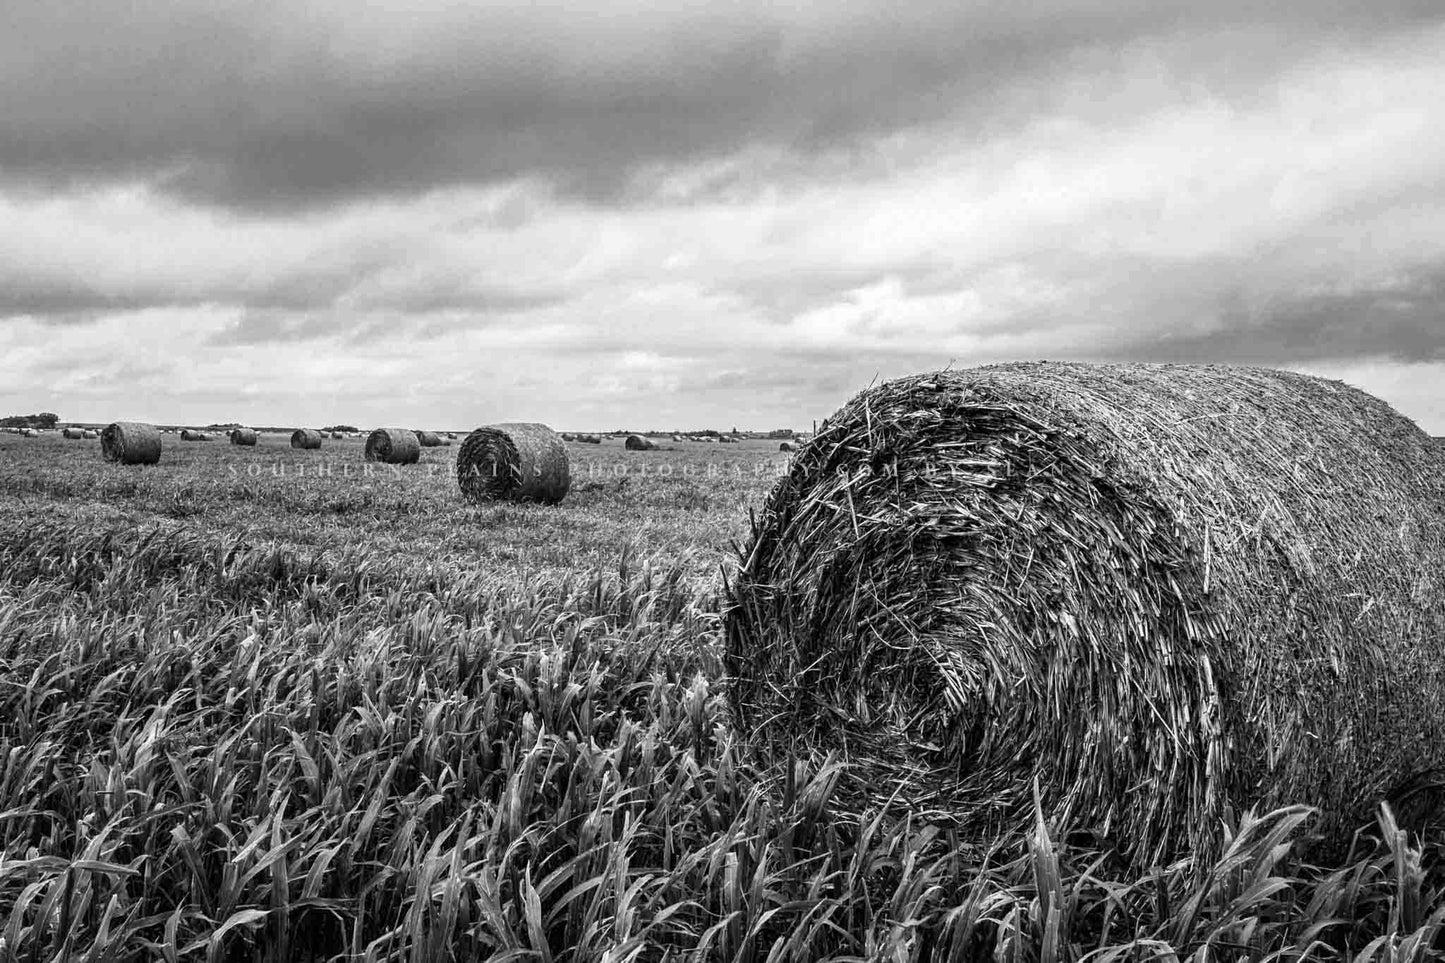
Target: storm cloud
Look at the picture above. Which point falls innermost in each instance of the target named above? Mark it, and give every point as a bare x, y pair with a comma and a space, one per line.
742, 211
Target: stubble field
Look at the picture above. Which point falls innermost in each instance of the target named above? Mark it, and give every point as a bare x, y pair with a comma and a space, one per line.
271, 704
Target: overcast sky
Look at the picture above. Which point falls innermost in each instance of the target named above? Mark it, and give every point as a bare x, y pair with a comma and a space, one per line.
650, 214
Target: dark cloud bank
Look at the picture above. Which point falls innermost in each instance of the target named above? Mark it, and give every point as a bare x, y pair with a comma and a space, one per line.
270, 106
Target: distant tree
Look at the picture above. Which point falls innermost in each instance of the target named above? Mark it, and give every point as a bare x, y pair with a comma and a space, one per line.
341, 428
45, 419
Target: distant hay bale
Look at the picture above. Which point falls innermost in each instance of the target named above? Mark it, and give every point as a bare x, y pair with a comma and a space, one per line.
246, 437
393, 446
1159, 593
75, 434
638, 443
307, 439
429, 439
130, 443
190, 434
514, 462
568, 436
90, 434
787, 446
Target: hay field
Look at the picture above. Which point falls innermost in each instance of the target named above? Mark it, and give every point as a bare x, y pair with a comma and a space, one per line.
264, 703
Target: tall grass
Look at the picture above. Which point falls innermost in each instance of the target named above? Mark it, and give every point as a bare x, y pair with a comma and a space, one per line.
218, 750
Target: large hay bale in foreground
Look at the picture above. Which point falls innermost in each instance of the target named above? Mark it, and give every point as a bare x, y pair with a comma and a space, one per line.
393, 446
638, 443
1161, 592
428, 439
131, 443
514, 462
246, 437
307, 439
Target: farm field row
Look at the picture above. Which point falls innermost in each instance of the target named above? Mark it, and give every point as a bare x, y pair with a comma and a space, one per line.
268, 704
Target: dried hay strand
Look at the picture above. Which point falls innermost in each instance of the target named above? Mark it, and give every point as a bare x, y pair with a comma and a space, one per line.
428, 439
307, 439
74, 434
638, 443
514, 462
1160, 593
130, 443
246, 437
393, 446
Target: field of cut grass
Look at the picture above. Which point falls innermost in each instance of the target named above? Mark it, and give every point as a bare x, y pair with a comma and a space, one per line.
265, 704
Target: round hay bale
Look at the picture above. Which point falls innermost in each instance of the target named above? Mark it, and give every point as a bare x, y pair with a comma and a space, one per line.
90, 434
638, 443
514, 462
190, 434
393, 446
75, 434
428, 439
590, 439
244, 436
1160, 593
307, 439
130, 443
787, 446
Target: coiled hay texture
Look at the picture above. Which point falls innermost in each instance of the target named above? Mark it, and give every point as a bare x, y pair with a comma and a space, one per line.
514, 462
1162, 592
244, 436
74, 434
393, 446
131, 443
306, 438
428, 439
638, 443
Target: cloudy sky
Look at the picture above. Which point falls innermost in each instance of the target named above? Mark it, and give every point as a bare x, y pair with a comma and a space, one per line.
655, 214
